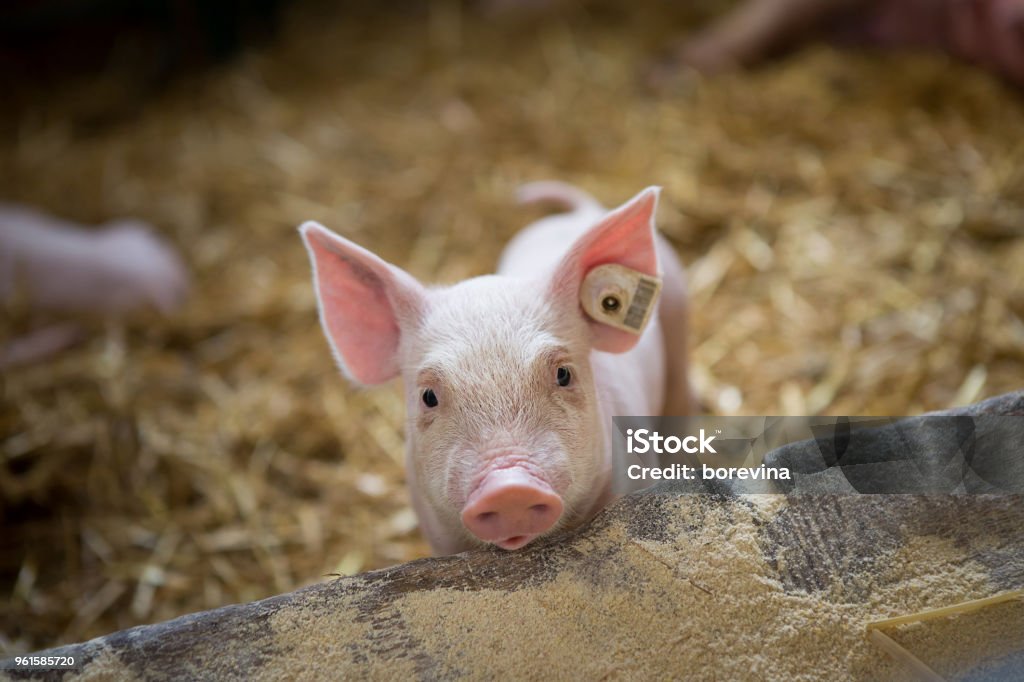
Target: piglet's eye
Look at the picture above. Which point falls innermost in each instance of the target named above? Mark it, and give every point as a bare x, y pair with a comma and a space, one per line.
429, 398
564, 376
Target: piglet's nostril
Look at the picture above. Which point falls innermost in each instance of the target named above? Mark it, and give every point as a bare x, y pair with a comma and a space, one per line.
510, 508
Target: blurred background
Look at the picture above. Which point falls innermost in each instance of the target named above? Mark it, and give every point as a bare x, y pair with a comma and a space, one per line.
852, 220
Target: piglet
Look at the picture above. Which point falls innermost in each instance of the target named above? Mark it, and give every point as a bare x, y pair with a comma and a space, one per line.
55, 266
510, 383
58, 265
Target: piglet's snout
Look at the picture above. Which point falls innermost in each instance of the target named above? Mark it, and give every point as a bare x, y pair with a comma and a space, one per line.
510, 508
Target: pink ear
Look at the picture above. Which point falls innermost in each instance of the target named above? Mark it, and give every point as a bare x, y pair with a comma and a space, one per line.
365, 303
626, 237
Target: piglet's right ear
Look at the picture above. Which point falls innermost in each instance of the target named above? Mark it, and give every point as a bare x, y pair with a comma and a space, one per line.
365, 304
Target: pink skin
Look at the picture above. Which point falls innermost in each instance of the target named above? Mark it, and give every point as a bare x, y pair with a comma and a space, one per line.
54, 265
59, 265
499, 449
510, 508
989, 33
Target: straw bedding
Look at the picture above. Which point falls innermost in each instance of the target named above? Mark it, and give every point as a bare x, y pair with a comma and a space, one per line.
852, 222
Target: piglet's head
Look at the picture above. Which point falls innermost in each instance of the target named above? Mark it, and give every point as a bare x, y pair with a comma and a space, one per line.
503, 427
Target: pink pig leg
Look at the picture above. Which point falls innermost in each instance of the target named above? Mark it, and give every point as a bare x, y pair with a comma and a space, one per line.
40, 344
989, 33
753, 30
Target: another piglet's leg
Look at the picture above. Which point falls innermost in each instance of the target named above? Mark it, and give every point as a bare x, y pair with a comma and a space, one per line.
40, 344
747, 34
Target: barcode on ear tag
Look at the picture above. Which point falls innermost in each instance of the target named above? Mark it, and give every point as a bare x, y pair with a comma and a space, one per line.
620, 297
643, 297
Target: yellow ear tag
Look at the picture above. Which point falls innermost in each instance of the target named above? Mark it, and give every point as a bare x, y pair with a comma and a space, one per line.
620, 297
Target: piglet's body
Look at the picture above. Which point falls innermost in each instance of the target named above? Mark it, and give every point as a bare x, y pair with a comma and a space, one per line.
510, 386
59, 265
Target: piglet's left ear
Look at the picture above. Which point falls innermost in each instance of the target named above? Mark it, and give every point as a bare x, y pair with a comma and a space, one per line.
623, 237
